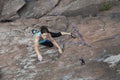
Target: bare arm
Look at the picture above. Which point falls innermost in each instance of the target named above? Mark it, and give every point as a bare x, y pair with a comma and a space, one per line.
55, 44
36, 45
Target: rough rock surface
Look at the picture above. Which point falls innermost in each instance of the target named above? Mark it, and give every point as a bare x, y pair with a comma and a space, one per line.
18, 60
78, 7
37, 8
1, 6
11, 7
58, 23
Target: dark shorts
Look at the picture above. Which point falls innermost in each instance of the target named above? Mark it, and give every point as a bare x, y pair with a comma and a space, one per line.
56, 34
49, 43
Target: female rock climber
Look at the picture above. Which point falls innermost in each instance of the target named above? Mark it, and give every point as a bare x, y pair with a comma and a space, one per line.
45, 37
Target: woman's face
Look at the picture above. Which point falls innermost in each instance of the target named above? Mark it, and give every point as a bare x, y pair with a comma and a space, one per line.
44, 35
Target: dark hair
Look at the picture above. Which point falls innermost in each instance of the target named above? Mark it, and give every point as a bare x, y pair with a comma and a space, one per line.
44, 29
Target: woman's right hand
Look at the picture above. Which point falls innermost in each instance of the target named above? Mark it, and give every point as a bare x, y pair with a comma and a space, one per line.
60, 50
40, 57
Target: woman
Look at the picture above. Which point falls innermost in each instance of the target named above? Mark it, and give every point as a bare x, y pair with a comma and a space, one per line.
45, 37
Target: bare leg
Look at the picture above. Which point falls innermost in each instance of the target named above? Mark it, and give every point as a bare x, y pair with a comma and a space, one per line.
65, 33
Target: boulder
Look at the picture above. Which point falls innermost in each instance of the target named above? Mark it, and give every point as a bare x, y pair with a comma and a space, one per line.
37, 8
78, 7
11, 7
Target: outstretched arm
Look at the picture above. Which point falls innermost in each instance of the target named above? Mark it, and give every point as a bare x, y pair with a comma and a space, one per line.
55, 44
36, 45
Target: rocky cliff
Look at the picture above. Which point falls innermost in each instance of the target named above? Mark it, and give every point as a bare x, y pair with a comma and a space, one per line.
100, 29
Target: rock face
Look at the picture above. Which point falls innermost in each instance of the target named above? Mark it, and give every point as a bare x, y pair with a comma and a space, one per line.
1, 6
58, 23
101, 32
78, 7
37, 8
10, 8
18, 60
